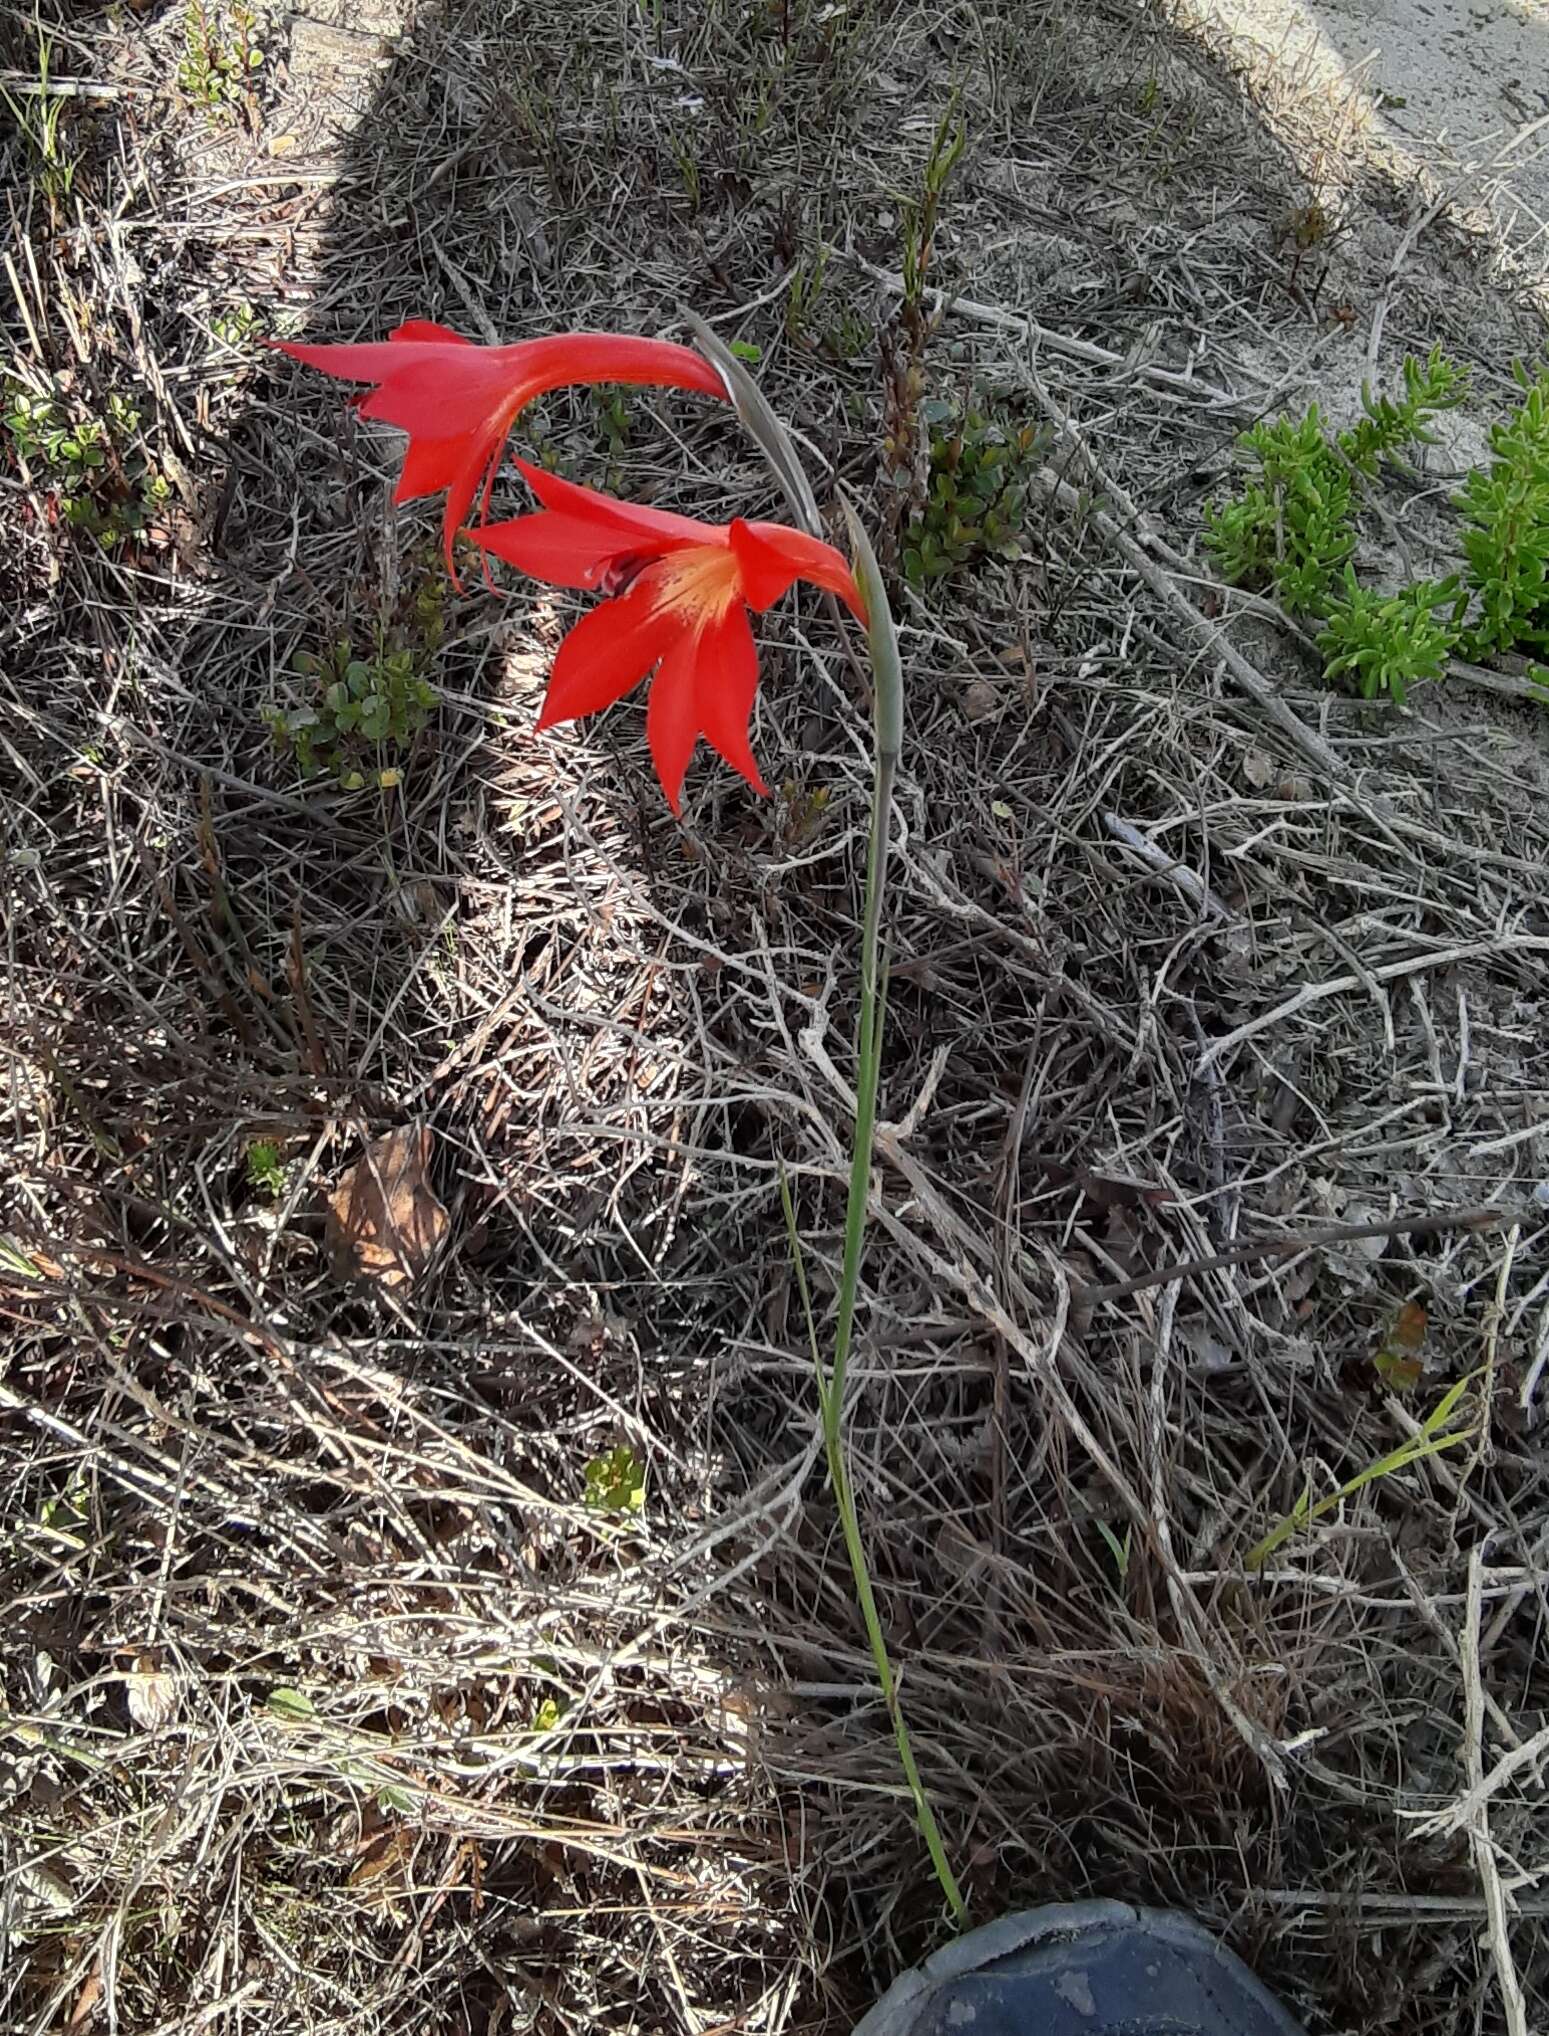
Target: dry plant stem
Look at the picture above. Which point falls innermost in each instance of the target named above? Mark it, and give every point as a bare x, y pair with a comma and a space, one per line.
1497, 1920
1162, 584
765, 428
1288, 1247
1204, 393
760, 423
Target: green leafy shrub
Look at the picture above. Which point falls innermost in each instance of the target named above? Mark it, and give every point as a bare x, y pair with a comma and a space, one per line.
1291, 527
978, 491
1382, 643
1505, 510
365, 713
1386, 427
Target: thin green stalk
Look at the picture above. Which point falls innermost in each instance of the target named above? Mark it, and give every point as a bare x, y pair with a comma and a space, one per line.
888, 720
888, 717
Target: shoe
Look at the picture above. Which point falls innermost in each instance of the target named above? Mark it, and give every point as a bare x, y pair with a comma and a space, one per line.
1081, 1969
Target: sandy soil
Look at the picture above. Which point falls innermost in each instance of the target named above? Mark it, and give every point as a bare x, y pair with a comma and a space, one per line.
1457, 96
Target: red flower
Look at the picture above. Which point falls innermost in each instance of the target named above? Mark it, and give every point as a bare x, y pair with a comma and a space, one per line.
681, 594
457, 400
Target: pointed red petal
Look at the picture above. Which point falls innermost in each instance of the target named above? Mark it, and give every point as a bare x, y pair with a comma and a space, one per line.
655, 530
772, 556
608, 651
436, 389
417, 329
672, 719
726, 679
371, 360
429, 465
481, 456
365, 363
565, 551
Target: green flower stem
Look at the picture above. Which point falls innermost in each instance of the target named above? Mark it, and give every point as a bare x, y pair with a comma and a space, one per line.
887, 694
887, 691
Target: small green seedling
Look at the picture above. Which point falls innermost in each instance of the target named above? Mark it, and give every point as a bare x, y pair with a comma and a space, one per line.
222, 55
1383, 643
847, 336
93, 465
920, 214
365, 713
1118, 1549
805, 811
37, 114
804, 291
266, 1168
1434, 1436
615, 1483
613, 420
979, 468
66, 1514
681, 148
234, 325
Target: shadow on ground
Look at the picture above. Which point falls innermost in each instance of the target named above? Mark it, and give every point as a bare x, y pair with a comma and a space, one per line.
333, 1703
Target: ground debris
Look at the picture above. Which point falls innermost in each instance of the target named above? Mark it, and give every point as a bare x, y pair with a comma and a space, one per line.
385, 1219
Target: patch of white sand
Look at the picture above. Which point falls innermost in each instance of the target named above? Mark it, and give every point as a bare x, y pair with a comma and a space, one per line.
1451, 96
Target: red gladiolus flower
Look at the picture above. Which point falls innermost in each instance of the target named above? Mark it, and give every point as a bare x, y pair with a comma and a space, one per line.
681, 594
458, 400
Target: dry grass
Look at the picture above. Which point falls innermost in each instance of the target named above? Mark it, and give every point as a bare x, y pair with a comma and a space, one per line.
292, 1568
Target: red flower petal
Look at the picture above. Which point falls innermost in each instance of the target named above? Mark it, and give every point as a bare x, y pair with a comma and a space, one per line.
564, 551
608, 651
726, 679
645, 525
462, 399
427, 328
771, 556
672, 717
429, 465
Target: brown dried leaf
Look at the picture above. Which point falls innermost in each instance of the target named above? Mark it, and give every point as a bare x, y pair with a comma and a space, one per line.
1398, 1357
384, 1219
382, 1871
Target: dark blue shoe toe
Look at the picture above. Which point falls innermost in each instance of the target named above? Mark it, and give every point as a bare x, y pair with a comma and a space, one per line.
1081, 1969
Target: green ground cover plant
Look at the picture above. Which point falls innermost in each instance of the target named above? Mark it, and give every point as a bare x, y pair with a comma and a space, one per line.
1293, 525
